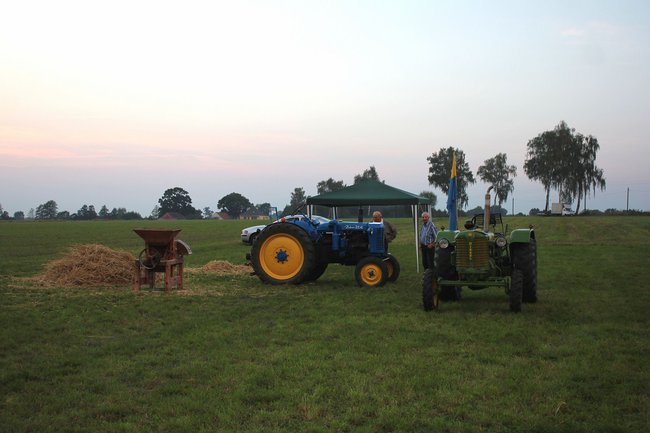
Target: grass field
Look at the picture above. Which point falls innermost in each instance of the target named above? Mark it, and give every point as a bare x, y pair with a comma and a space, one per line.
230, 354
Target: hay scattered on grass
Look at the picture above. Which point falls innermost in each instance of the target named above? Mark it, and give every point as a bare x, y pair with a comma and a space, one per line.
90, 265
221, 267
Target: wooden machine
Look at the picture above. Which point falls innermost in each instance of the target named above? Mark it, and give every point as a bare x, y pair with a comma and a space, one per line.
162, 253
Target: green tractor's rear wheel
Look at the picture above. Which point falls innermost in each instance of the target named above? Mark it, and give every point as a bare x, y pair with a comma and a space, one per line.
516, 289
393, 268
371, 271
283, 253
430, 290
524, 258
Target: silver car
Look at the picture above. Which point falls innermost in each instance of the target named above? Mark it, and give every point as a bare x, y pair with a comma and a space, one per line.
249, 234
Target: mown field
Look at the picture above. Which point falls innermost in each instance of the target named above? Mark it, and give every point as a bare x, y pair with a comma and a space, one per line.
230, 354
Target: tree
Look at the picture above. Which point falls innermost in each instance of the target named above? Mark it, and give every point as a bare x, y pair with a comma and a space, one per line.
20, 215
155, 212
177, 200
440, 172
330, 185
264, 208
433, 199
118, 213
369, 174
86, 213
497, 172
207, 213
584, 176
103, 212
298, 199
234, 204
565, 160
46, 211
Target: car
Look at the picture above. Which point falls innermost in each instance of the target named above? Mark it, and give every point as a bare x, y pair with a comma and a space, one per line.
249, 234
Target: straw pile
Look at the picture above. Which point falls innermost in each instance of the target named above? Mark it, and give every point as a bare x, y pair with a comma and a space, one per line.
222, 267
90, 266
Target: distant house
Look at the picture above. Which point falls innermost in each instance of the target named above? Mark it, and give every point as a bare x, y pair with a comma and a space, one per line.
172, 216
220, 216
253, 215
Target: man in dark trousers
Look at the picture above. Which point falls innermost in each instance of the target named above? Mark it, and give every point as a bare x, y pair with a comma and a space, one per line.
427, 240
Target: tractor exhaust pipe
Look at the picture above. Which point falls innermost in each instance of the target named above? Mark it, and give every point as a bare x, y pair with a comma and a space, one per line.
486, 214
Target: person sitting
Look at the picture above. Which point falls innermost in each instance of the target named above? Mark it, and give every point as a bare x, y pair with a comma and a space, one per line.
390, 232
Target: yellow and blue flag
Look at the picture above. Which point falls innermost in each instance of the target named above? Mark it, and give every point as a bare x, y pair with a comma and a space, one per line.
452, 196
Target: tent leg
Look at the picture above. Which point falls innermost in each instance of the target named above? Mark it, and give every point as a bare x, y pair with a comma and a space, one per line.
414, 211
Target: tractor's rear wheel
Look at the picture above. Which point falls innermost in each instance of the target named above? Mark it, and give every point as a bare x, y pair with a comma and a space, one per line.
371, 271
430, 290
393, 268
525, 259
317, 271
516, 289
283, 253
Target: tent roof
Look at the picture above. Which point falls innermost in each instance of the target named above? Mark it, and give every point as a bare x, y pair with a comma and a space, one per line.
366, 192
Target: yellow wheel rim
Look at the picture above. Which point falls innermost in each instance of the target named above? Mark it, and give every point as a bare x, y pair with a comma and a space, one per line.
281, 256
371, 274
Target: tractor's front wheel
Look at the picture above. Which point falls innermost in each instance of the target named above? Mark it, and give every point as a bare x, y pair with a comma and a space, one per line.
393, 268
430, 290
283, 253
371, 271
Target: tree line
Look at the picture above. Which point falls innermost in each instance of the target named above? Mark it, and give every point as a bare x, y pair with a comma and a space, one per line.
560, 159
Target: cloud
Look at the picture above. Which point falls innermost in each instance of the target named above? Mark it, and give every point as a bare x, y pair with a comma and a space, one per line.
591, 32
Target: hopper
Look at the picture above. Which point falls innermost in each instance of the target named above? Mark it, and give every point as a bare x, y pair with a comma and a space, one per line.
157, 237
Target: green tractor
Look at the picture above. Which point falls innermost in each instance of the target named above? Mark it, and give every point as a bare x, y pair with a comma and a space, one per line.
480, 257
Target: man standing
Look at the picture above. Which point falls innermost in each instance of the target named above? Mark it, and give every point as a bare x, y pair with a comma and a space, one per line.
390, 232
427, 240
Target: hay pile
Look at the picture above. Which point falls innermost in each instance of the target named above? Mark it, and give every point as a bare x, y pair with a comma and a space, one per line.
222, 267
90, 265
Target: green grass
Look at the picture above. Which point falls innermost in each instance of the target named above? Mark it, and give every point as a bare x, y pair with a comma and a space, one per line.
232, 354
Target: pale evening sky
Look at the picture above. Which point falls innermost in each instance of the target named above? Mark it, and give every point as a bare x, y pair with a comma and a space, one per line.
112, 103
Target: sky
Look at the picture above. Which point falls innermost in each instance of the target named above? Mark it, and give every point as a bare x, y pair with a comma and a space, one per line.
113, 103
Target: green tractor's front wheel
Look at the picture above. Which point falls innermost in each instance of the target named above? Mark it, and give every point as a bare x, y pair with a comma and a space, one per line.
371, 271
430, 290
283, 253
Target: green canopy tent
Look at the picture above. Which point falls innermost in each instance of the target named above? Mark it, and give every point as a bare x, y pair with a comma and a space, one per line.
372, 192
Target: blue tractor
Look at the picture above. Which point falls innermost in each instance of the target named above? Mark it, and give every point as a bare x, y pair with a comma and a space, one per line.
300, 251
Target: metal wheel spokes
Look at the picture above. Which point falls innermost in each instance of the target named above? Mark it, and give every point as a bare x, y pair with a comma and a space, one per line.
149, 259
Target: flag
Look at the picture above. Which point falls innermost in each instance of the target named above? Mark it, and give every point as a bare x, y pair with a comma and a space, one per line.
452, 196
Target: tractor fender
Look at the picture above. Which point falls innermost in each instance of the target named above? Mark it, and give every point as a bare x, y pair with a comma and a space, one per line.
450, 235
522, 236
313, 234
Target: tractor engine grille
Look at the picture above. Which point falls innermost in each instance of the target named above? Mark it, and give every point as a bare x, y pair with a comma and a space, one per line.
472, 252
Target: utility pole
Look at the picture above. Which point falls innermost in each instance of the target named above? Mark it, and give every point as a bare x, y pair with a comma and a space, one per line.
513, 205
627, 208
